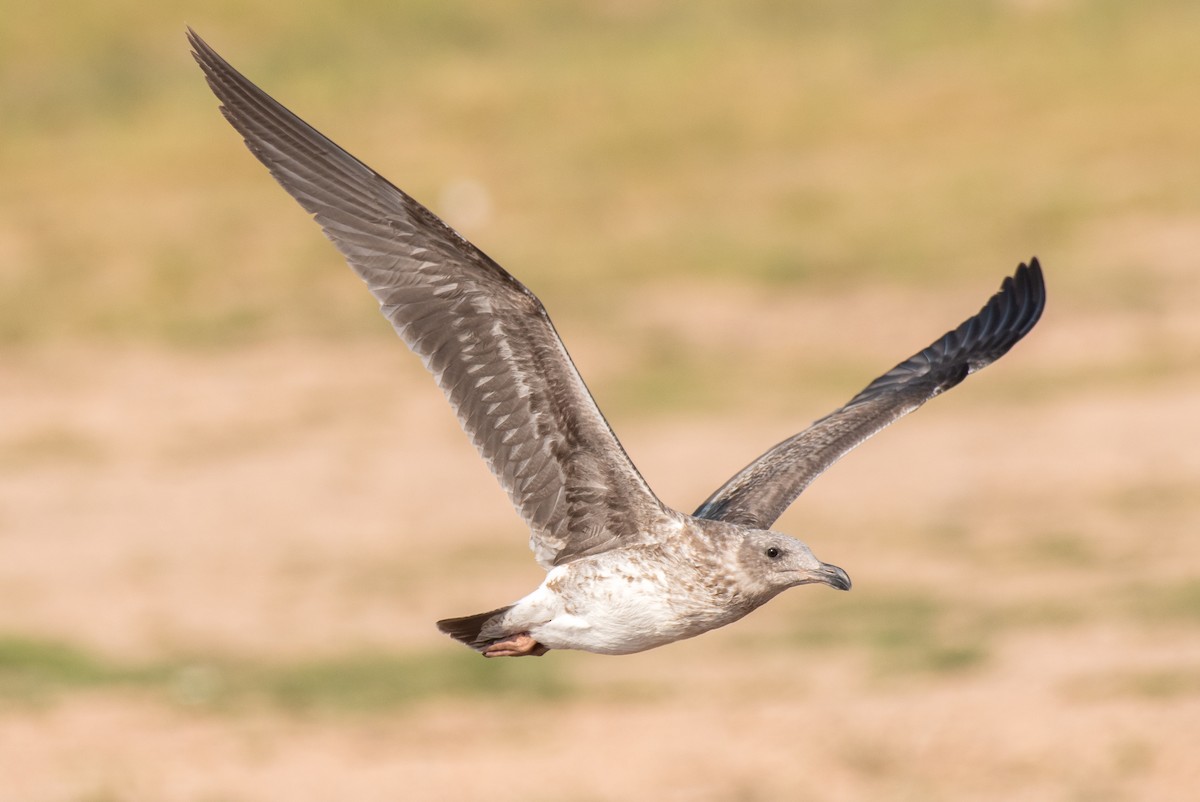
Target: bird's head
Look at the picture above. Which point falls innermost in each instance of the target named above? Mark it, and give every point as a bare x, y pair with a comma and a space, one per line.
772, 562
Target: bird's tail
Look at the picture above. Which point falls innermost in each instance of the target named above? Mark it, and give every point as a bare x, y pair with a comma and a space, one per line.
467, 628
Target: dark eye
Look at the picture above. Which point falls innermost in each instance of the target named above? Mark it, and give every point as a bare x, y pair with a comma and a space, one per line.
773, 553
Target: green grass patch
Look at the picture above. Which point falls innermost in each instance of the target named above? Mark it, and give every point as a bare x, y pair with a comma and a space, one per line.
903, 631
671, 376
1060, 549
767, 143
50, 445
1167, 603
906, 632
373, 682
36, 671
1148, 499
1162, 685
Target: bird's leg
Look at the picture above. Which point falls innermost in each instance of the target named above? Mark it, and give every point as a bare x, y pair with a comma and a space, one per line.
519, 645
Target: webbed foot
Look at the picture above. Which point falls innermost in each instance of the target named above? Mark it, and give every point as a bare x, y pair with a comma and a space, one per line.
520, 645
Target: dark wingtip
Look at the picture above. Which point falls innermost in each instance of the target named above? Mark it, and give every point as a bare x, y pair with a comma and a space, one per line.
204, 55
1008, 315
195, 41
1033, 273
979, 341
1032, 285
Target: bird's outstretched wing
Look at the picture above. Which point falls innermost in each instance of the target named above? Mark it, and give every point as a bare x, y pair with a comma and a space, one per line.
758, 494
485, 338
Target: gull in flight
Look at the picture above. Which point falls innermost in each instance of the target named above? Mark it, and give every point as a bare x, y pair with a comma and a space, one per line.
625, 572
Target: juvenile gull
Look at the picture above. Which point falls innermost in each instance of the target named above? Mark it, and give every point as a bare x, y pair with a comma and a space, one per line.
625, 572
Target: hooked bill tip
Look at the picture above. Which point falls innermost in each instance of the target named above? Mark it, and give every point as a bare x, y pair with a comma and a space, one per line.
835, 577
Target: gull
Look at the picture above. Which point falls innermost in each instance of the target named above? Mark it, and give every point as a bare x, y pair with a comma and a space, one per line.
624, 572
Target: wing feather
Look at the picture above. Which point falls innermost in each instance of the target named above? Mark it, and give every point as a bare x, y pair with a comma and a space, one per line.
759, 493
483, 335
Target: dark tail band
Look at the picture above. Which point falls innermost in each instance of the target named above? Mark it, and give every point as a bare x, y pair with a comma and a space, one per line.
467, 629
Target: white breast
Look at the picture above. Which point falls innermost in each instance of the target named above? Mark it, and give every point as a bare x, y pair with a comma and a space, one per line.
598, 606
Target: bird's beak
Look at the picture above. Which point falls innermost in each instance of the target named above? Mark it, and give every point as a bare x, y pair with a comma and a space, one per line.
832, 576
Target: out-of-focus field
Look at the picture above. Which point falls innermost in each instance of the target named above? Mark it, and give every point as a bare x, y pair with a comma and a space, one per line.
232, 505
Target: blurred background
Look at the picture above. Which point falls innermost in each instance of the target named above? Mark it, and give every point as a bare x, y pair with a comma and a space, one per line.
232, 504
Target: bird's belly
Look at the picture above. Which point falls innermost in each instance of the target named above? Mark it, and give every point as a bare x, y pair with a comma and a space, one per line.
619, 611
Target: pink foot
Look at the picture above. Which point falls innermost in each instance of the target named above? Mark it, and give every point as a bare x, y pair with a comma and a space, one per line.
521, 645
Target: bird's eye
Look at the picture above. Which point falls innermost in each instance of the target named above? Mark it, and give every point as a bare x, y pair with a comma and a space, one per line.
773, 553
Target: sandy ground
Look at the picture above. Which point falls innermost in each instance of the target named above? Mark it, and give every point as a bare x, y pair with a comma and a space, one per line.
230, 510
295, 502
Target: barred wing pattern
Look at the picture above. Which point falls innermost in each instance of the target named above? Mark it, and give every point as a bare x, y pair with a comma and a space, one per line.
758, 494
486, 339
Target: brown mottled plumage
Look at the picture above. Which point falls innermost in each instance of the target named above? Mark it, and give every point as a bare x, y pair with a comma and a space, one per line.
624, 571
